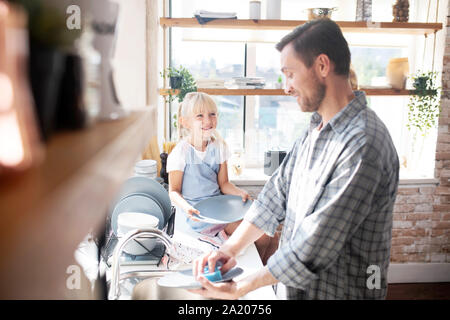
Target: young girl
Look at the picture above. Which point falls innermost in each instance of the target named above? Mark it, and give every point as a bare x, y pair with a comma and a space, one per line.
197, 166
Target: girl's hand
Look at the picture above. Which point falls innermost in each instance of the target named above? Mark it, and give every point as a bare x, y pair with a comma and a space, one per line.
245, 196
191, 212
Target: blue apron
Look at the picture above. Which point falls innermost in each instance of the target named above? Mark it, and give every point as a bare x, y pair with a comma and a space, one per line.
200, 181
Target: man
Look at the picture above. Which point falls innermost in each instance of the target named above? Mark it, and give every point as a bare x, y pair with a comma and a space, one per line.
334, 191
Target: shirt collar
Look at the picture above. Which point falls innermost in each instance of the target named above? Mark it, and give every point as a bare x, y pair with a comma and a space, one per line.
340, 121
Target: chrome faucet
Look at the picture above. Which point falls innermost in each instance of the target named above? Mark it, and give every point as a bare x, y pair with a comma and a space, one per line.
114, 291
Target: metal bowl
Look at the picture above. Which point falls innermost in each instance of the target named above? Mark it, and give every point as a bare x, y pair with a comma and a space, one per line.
314, 13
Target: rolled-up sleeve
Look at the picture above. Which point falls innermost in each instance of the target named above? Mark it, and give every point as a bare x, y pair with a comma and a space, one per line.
269, 209
344, 203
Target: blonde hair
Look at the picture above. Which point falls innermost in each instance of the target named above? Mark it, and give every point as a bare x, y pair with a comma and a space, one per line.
194, 103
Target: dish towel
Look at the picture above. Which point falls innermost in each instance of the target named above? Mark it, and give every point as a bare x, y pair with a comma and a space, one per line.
188, 248
214, 241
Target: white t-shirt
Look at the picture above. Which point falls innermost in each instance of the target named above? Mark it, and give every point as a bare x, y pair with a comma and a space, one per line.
177, 158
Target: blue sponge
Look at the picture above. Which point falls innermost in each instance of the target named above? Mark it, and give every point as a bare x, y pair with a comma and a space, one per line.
213, 276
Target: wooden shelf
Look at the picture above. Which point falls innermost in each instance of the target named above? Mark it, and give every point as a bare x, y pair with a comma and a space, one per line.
347, 26
280, 92
47, 210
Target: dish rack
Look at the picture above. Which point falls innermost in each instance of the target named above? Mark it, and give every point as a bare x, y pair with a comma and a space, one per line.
152, 257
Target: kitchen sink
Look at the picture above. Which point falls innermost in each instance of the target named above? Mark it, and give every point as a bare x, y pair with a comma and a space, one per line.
144, 286
149, 289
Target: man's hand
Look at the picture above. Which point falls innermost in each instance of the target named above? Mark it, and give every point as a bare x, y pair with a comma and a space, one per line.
234, 290
241, 238
223, 290
227, 259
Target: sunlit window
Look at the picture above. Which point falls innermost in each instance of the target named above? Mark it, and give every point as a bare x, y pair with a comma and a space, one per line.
260, 123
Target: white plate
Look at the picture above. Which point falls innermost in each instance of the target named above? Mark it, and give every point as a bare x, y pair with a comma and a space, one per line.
185, 279
222, 209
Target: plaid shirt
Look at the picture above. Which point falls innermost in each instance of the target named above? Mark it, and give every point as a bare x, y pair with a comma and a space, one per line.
336, 206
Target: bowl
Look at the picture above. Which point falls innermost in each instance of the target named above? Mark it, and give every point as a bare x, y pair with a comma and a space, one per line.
137, 203
314, 13
128, 221
146, 213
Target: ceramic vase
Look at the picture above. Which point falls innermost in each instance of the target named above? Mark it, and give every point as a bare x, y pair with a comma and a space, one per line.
397, 72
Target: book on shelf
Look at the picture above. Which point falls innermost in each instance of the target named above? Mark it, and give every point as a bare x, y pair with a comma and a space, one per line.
215, 15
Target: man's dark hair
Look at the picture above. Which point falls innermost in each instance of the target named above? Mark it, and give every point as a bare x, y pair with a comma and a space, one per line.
316, 37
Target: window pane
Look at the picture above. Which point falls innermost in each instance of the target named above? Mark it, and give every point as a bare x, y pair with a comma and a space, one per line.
370, 63
221, 60
274, 122
416, 153
231, 119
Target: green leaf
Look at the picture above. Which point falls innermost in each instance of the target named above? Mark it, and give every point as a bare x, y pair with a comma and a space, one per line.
424, 104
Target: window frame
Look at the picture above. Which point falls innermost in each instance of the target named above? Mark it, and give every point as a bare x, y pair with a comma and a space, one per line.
249, 103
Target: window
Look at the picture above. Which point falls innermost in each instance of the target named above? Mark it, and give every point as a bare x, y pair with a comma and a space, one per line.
259, 123
223, 60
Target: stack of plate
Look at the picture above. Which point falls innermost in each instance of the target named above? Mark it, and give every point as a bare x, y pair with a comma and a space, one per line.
146, 168
144, 196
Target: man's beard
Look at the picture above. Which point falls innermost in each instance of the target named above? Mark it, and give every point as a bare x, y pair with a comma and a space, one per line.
312, 104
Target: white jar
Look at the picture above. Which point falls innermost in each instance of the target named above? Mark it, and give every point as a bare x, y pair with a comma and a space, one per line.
255, 10
146, 168
273, 9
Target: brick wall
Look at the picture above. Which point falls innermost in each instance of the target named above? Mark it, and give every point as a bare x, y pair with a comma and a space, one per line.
421, 227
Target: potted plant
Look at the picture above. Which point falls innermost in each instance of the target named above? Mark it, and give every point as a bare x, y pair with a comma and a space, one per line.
174, 77
424, 103
181, 80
